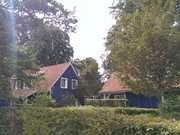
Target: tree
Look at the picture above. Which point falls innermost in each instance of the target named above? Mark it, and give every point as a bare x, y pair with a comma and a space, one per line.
7, 67
42, 37
31, 15
52, 45
44, 25
27, 65
144, 45
7, 54
90, 78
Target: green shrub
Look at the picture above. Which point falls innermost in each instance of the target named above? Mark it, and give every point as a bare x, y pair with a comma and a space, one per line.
172, 104
109, 103
4, 122
69, 100
9, 123
137, 111
42, 99
93, 121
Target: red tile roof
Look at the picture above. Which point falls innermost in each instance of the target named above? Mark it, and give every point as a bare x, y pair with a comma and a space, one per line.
21, 93
114, 85
52, 73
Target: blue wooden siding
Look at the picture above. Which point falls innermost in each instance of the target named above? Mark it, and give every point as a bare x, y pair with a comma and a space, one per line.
141, 101
4, 103
57, 92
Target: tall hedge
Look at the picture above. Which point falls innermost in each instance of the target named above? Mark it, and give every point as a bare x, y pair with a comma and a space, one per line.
172, 103
93, 121
9, 122
4, 122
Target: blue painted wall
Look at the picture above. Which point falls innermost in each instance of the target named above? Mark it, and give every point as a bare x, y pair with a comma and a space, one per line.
4, 103
57, 92
141, 101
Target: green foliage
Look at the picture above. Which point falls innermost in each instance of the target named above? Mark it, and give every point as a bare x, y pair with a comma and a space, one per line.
44, 25
9, 122
52, 13
144, 45
69, 100
90, 78
172, 104
90, 121
26, 56
6, 53
27, 65
52, 45
42, 100
4, 123
110, 103
137, 111
38, 128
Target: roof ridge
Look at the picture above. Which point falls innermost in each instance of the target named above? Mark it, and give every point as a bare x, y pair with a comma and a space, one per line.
56, 65
60, 74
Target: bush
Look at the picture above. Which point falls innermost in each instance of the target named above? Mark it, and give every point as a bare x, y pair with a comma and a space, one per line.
172, 104
109, 103
137, 111
9, 122
4, 122
42, 99
93, 121
69, 100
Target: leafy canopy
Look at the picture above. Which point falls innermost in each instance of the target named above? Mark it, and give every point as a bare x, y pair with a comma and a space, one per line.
90, 78
44, 25
6, 54
144, 45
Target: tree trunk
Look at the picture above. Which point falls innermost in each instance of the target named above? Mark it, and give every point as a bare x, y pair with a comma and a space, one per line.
161, 99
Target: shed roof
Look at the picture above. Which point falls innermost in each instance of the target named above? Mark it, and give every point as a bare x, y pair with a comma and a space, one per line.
22, 93
114, 85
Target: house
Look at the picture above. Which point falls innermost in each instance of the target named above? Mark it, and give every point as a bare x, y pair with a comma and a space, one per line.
59, 81
114, 88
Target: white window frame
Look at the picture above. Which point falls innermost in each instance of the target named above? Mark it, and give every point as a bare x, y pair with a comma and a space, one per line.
14, 84
66, 83
72, 82
18, 84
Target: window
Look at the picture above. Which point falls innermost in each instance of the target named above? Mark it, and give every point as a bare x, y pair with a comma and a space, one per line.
64, 83
74, 83
14, 84
121, 96
18, 84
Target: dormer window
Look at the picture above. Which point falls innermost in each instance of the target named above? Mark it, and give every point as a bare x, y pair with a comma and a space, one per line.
74, 83
64, 83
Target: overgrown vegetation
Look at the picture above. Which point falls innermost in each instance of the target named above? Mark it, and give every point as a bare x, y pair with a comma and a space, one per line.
9, 122
172, 104
89, 121
37, 120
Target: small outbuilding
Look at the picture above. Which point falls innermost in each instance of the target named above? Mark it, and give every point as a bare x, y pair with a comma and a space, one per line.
115, 89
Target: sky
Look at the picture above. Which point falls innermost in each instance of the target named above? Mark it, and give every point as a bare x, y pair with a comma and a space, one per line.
94, 21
